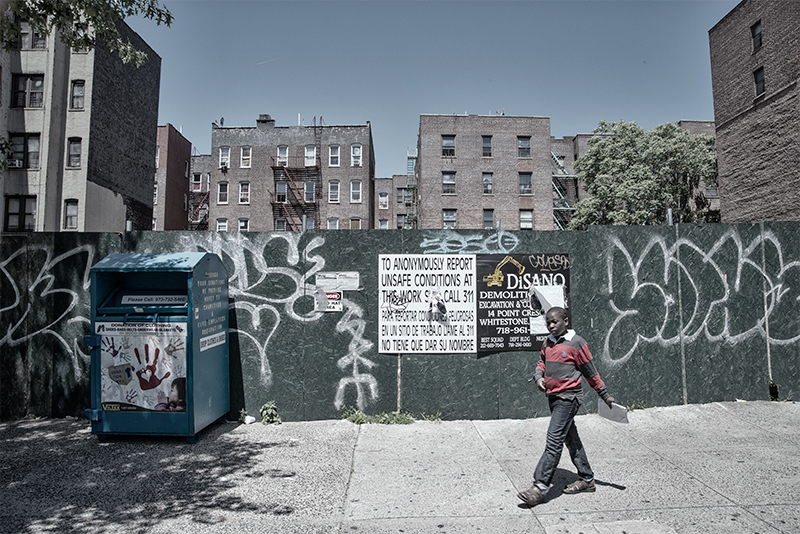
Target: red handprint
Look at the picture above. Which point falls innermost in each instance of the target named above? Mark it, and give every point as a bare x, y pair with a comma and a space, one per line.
147, 376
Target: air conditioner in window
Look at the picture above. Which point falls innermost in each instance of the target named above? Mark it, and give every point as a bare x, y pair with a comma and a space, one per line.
14, 163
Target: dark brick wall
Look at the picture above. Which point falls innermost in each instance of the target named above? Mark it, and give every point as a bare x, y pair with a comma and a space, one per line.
124, 121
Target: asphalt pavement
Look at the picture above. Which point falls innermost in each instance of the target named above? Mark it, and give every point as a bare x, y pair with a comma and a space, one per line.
731, 467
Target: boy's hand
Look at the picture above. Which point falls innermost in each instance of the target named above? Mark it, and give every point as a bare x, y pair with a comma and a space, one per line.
609, 400
540, 385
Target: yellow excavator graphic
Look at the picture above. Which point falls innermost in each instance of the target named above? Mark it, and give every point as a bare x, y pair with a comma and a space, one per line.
496, 278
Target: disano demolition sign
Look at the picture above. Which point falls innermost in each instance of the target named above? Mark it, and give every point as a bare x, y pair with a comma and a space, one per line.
427, 303
468, 303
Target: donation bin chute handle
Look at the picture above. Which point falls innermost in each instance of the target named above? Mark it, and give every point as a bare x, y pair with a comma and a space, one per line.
142, 317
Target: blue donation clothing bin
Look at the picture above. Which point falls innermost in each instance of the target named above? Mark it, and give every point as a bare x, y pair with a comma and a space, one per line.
159, 339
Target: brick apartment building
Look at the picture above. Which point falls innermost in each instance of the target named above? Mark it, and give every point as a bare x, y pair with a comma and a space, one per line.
755, 66
287, 178
171, 184
495, 171
83, 129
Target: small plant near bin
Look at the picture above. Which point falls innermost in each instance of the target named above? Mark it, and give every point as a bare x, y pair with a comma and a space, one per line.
269, 414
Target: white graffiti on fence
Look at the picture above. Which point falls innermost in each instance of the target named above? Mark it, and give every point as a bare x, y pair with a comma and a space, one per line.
727, 294
452, 242
20, 318
256, 297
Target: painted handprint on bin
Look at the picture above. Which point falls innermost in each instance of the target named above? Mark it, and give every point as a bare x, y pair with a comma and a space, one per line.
174, 345
148, 379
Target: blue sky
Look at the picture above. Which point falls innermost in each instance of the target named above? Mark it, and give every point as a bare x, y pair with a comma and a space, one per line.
388, 61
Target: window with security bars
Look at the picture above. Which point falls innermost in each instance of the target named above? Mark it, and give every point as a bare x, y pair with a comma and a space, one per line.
449, 146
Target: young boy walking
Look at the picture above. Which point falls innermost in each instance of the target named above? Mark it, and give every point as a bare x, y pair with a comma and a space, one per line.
565, 361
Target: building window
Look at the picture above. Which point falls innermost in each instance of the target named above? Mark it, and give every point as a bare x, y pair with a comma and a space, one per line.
487, 146
758, 76
244, 193
449, 146
197, 182
333, 191
158, 155
400, 194
448, 219
401, 221
525, 183
755, 33
487, 183
383, 224
185, 202
280, 192
488, 219
283, 156
28, 91
355, 155
280, 225
244, 225
78, 88
20, 214
449, 183
309, 223
224, 157
185, 168
524, 147
70, 214
311, 156
30, 39
222, 193
333, 223
383, 201
24, 151
222, 225
333, 156
74, 152
247, 151
355, 191
355, 224
526, 219
155, 193
309, 192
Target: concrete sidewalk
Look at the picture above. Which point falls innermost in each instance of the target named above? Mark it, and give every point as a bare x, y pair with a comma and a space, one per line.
722, 468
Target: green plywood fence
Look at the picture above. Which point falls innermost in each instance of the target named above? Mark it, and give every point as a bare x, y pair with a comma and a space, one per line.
690, 313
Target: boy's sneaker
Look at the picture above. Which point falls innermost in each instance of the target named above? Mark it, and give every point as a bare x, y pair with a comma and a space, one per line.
531, 496
580, 486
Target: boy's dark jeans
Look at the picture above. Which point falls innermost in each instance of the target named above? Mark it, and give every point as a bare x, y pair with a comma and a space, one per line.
562, 432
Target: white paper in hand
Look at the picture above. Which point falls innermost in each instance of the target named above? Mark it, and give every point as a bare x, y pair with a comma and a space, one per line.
617, 413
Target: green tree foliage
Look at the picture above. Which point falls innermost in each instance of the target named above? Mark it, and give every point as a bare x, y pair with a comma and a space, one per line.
81, 24
634, 176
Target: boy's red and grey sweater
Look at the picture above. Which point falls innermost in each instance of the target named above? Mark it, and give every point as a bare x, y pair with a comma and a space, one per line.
564, 363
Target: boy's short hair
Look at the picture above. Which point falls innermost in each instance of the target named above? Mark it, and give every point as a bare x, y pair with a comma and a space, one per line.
559, 310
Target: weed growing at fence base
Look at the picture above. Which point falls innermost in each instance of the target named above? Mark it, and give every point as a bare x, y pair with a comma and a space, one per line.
358, 417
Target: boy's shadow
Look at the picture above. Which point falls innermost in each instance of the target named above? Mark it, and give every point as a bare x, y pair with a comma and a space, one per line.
561, 479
